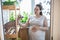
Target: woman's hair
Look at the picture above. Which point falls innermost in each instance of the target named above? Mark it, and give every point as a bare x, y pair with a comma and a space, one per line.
40, 7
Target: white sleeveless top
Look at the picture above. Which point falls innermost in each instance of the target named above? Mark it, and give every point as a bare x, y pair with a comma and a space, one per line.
36, 21
39, 35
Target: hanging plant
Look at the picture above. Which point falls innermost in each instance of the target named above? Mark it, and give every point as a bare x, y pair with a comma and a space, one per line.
12, 17
9, 2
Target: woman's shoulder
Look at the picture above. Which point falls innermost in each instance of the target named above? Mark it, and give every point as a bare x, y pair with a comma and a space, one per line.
44, 16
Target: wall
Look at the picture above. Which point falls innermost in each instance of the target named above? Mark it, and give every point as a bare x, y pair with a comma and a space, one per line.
56, 26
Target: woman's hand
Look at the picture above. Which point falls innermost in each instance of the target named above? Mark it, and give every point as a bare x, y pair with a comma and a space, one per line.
35, 28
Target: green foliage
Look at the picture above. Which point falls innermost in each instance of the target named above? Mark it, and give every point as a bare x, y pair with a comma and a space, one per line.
23, 20
9, 2
12, 17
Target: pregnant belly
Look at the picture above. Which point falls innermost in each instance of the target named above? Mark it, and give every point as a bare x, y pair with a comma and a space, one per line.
37, 35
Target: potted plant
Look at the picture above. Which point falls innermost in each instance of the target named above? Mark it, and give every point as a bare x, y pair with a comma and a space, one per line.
9, 2
25, 17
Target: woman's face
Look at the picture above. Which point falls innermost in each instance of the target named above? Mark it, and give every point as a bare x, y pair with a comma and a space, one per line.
37, 10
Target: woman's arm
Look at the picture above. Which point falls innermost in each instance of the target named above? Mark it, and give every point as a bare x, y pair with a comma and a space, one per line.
22, 25
37, 27
44, 28
45, 25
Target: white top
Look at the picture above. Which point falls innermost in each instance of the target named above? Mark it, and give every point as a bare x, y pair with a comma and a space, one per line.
39, 35
36, 21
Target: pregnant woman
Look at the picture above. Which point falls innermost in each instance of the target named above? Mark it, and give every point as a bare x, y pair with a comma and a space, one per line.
37, 24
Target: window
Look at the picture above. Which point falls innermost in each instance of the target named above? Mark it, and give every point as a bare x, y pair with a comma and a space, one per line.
25, 6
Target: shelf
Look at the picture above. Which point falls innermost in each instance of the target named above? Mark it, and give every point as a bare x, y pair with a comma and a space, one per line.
11, 24
10, 7
11, 36
5, 7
